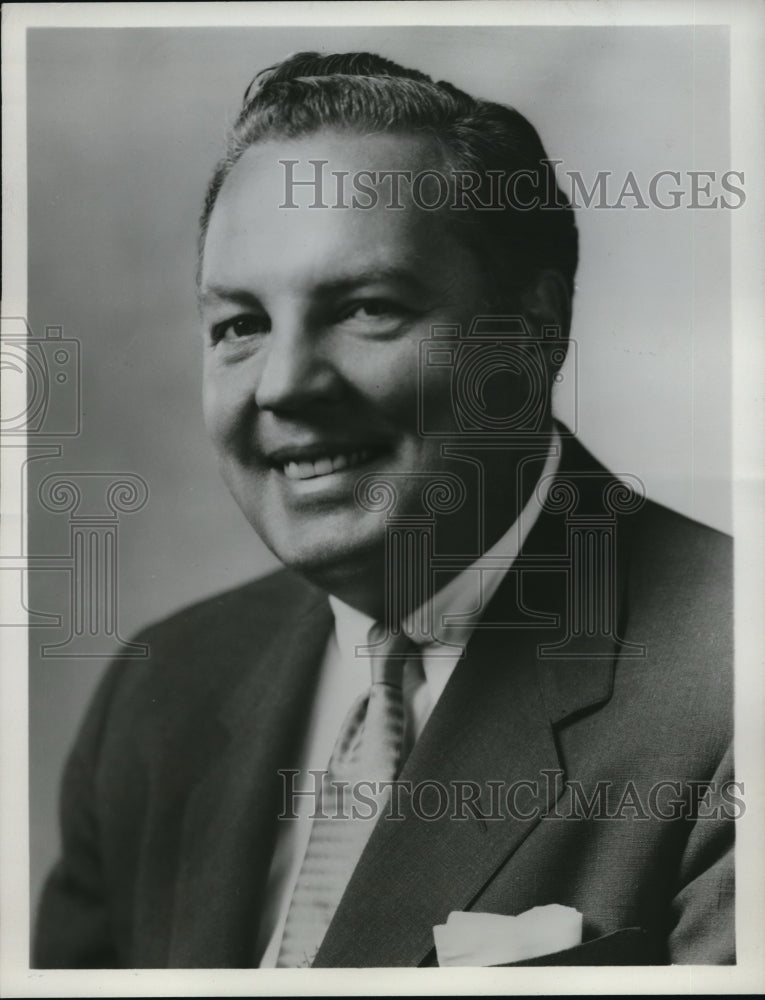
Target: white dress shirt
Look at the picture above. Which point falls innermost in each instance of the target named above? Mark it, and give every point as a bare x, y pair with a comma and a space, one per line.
344, 676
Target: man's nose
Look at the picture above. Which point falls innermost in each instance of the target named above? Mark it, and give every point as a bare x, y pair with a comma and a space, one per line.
297, 369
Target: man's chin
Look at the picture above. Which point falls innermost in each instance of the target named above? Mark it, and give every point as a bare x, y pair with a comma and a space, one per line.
327, 551
345, 564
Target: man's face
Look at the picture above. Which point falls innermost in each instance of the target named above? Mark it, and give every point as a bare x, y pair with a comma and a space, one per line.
313, 319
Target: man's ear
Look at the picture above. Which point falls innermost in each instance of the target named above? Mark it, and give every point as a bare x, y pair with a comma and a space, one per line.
546, 303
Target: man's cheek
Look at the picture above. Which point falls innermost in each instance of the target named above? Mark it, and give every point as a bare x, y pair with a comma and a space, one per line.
222, 412
435, 401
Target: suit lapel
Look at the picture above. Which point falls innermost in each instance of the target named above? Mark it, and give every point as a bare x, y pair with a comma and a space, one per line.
494, 723
229, 825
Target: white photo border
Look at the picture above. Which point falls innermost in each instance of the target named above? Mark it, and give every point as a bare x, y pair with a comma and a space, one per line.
747, 24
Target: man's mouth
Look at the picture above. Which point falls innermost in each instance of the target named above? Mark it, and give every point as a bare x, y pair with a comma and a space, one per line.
316, 465
326, 465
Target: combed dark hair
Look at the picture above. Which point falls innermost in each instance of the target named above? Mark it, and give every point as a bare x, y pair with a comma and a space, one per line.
367, 93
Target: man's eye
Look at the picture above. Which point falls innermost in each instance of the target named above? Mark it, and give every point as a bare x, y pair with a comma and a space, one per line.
240, 327
374, 311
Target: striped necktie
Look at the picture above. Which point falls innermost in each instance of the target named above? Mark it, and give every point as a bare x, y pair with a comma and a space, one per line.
368, 748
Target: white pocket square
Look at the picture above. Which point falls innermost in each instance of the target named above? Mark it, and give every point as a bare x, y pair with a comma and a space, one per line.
472, 939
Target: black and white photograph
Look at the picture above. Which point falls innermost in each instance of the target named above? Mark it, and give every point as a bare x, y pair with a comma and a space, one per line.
382, 499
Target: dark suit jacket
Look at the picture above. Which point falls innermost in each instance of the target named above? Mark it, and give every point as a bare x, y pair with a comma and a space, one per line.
171, 792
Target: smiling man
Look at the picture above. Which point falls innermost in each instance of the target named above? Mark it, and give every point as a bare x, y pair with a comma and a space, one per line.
475, 687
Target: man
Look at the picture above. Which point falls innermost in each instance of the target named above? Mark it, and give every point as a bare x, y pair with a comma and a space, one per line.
385, 280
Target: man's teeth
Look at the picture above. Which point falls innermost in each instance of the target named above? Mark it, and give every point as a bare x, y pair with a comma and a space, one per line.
324, 466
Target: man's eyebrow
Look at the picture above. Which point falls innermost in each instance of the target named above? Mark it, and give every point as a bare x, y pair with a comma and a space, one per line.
374, 275
218, 293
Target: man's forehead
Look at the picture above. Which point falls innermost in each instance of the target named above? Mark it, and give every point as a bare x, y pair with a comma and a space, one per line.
333, 168
301, 232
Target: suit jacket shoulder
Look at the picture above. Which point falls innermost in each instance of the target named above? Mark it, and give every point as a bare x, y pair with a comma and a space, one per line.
201, 651
675, 577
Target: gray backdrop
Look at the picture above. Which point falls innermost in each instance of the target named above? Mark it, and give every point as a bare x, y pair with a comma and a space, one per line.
124, 126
